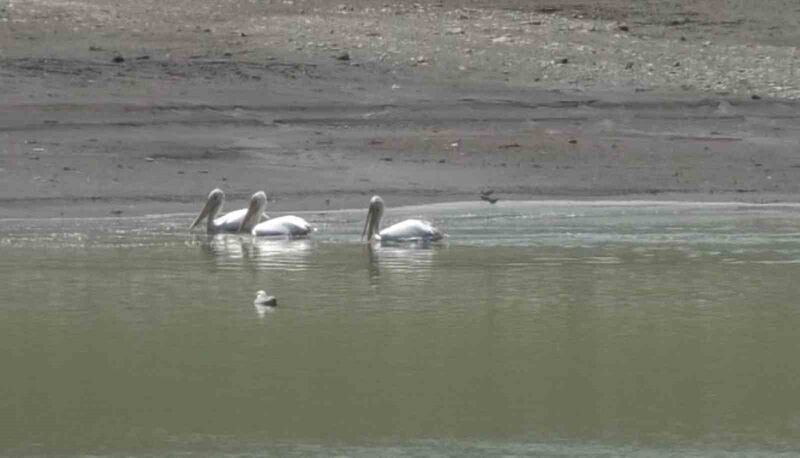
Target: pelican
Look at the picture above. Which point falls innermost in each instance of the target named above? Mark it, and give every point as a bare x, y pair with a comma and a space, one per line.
228, 222
404, 231
285, 226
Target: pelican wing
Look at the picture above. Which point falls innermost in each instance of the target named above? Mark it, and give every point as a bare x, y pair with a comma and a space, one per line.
409, 230
230, 222
285, 226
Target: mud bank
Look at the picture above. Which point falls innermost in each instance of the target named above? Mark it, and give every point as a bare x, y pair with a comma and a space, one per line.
115, 109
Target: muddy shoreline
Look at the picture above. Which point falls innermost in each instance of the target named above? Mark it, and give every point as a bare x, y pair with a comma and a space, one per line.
109, 109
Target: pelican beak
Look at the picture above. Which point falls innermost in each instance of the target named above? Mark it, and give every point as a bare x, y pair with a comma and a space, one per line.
203, 214
250, 218
368, 225
371, 226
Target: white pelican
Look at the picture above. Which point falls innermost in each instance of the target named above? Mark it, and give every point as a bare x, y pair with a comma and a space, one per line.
284, 226
228, 222
262, 298
404, 231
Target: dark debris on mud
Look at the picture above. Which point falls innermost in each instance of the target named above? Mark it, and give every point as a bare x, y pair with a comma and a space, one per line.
157, 69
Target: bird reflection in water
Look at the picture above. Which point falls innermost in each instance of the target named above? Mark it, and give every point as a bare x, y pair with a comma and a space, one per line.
290, 254
263, 310
415, 260
226, 247
264, 254
373, 266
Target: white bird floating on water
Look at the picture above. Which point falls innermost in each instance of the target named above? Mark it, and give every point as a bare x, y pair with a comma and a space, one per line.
283, 226
229, 222
262, 298
404, 231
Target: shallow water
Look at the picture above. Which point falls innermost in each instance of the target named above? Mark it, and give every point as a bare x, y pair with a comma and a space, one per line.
538, 328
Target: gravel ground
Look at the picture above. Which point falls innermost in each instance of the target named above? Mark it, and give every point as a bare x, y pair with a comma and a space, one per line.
726, 48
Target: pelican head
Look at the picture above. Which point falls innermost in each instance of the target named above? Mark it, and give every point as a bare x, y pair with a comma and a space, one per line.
255, 210
373, 223
213, 205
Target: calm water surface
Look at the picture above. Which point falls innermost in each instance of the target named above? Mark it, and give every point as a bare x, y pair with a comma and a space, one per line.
539, 328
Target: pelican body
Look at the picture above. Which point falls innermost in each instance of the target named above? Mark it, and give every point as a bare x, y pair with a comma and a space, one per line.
410, 230
283, 226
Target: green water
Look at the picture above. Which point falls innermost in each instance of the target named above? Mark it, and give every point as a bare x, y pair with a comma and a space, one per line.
543, 329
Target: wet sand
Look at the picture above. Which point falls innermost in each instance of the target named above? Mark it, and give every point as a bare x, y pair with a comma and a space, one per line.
136, 109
